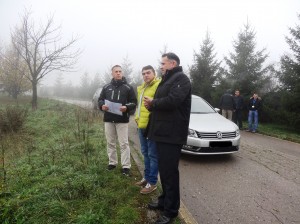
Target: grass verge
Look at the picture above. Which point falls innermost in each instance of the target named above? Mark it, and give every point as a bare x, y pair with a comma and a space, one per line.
278, 131
54, 171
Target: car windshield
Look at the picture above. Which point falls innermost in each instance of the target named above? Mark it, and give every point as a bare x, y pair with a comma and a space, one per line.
200, 106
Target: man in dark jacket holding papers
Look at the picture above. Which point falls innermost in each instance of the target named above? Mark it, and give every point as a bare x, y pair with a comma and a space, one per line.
118, 101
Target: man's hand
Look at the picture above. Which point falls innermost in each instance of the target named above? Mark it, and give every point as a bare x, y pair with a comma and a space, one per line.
123, 109
147, 102
105, 107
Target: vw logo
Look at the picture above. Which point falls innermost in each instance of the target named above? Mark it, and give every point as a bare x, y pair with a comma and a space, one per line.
219, 135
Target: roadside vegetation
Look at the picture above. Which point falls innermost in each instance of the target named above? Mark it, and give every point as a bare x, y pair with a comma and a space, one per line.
279, 131
53, 168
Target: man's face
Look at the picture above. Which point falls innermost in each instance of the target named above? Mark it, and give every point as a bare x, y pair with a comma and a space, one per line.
166, 64
117, 73
255, 96
237, 93
148, 75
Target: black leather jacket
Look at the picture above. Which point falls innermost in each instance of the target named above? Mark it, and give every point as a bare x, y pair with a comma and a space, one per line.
118, 91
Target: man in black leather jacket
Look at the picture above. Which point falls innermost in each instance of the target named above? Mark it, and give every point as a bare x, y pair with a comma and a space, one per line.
168, 127
118, 93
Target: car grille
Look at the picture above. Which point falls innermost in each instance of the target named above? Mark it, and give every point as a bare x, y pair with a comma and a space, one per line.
213, 135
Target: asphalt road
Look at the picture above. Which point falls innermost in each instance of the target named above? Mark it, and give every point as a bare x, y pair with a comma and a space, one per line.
259, 184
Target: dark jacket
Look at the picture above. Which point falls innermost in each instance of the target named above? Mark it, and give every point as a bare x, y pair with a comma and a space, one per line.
254, 104
227, 102
171, 108
118, 91
238, 102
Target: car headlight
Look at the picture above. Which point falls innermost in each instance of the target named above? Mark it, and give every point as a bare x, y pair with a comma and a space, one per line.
237, 132
192, 133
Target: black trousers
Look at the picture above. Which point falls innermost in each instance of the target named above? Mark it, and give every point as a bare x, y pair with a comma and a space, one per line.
168, 161
237, 118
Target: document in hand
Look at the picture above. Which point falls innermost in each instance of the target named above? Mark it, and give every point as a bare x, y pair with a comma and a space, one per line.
113, 107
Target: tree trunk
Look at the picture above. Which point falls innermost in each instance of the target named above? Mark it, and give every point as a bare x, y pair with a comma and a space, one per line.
34, 95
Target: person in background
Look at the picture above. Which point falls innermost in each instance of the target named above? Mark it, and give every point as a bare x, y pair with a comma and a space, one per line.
148, 147
119, 93
239, 103
227, 104
254, 106
168, 127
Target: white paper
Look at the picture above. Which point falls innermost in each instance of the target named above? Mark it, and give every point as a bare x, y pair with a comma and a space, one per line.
113, 107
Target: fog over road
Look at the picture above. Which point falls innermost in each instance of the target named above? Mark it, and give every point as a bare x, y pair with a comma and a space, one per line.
259, 184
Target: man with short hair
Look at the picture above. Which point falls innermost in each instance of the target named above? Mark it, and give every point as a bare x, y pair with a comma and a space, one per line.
168, 127
148, 147
118, 93
254, 106
239, 103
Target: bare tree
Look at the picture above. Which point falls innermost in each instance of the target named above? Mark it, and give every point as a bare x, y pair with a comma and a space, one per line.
42, 51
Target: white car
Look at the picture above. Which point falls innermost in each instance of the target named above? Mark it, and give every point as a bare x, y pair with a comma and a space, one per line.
95, 98
210, 132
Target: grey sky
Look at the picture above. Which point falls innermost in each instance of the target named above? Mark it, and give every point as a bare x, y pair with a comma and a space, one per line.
112, 29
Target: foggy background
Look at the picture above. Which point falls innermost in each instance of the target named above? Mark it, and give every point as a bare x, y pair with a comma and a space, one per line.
138, 30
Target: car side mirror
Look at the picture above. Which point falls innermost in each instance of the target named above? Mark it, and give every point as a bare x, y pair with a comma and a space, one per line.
218, 110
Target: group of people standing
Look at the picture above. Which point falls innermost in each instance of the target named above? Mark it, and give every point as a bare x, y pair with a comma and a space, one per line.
232, 108
162, 113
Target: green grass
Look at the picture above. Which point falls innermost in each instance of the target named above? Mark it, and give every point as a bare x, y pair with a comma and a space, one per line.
54, 171
278, 131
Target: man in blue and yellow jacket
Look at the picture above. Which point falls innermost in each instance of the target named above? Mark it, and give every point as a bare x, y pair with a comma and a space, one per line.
148, 147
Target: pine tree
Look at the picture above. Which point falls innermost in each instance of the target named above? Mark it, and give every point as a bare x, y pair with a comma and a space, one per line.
84, 86
290, 71
94, 85
245, 65
205, 70
127, 70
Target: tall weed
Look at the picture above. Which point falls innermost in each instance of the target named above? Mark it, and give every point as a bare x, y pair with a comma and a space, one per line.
12, 118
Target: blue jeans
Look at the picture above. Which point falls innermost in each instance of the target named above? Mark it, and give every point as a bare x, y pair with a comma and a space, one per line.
253, 115
148, 148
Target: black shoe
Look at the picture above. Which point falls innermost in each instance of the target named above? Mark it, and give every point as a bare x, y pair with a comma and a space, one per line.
163, 220
126, 172
110, 167
155, 206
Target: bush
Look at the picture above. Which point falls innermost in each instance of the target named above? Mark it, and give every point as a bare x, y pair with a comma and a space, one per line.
12, 119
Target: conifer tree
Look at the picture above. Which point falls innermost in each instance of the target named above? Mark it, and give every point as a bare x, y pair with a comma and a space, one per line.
205, 70
290, 71
246, 69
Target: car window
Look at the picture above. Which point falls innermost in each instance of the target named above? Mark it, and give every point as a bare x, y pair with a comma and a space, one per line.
201, 106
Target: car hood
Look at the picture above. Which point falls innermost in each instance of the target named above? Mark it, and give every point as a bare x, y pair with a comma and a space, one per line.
211, 122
